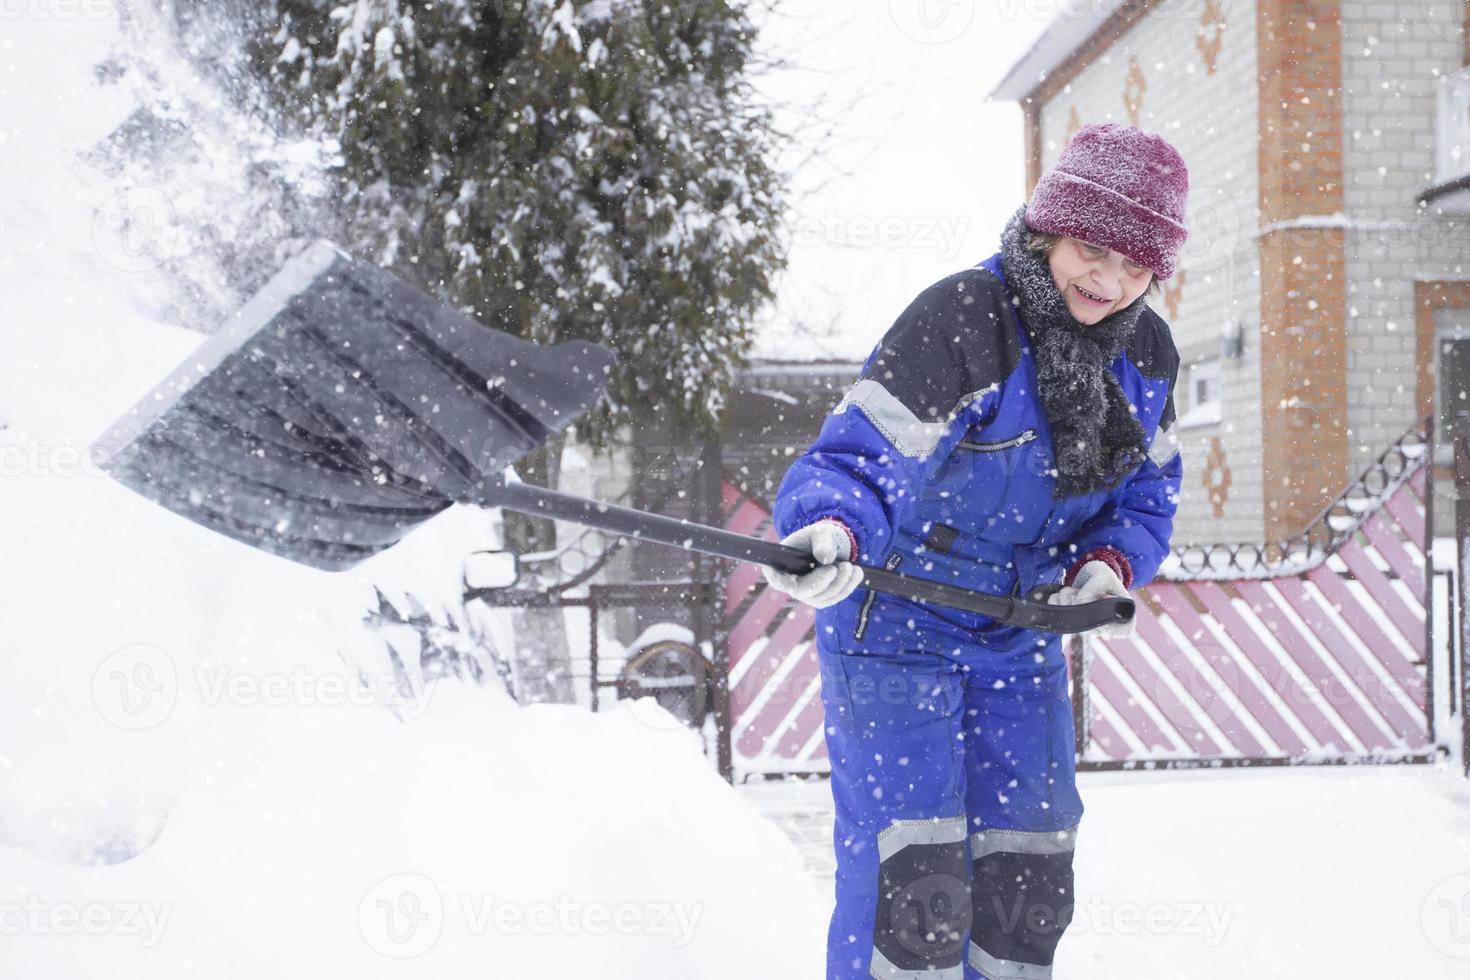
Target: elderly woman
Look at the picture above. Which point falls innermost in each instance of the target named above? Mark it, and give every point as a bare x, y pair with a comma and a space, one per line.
1012, 430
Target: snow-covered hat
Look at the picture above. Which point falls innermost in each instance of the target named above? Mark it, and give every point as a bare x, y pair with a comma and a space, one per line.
1118, 187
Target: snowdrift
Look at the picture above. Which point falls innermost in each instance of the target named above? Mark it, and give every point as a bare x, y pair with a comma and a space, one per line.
192, 783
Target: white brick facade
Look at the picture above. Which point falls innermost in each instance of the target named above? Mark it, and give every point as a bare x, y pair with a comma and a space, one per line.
1393, 57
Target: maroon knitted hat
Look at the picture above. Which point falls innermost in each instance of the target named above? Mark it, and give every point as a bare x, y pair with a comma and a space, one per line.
1118, 187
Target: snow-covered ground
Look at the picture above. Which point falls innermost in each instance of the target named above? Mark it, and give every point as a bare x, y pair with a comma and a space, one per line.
1307, 873
329, 840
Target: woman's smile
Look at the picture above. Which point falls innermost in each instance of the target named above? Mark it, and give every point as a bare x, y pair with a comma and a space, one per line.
1092, 299
1088, 306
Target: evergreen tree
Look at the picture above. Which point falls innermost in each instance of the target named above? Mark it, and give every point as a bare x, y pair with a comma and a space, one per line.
562, 169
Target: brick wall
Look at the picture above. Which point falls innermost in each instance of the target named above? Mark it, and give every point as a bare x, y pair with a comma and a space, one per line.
1304, 403
1394, 55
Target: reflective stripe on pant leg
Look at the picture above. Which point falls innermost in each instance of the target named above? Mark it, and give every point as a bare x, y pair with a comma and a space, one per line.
923, 900
1023, 900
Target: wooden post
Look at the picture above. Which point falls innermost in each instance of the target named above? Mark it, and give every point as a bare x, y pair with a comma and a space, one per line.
1462, 542
1430, 679
1081, 713
710, 617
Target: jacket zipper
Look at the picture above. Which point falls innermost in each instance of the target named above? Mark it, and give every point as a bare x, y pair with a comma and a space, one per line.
862, 623
985, 447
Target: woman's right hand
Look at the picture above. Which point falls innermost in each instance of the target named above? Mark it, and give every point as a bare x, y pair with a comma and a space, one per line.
834, 549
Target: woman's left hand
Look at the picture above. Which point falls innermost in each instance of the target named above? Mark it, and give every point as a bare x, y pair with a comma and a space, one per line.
1096, 580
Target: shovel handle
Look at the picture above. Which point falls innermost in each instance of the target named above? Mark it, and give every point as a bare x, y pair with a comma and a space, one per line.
1013, 610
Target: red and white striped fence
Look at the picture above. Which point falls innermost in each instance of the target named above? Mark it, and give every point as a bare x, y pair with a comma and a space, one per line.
1316, 655
1313, 651
775, 695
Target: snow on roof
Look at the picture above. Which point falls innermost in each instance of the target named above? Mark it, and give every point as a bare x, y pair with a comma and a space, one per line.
1075, 23
766, 366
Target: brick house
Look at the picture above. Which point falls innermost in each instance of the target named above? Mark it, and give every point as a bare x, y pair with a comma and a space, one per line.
1323, 300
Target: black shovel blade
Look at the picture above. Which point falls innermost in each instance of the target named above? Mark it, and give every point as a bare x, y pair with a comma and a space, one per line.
339, 408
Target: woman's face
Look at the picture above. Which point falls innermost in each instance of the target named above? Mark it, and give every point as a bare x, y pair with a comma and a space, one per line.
1095, 281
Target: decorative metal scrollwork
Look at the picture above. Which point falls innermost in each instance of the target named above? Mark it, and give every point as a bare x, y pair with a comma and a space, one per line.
1333, 527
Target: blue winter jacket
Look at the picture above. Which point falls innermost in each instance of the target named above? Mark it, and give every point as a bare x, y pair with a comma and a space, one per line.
939, 457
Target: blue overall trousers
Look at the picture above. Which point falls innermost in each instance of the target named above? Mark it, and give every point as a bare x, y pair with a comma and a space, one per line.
955, 795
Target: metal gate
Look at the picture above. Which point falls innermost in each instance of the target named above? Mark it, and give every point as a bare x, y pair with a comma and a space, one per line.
1313, 650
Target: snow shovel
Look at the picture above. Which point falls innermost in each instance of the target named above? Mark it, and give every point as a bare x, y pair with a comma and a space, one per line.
341, 407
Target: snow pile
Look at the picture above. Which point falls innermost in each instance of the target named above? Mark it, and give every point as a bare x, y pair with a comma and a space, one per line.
468, 843
192, 781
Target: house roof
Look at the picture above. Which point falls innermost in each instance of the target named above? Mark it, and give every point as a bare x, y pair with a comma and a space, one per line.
1074, 25
773, 366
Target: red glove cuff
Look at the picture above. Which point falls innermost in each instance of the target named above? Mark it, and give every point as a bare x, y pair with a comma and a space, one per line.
1109, 556
852, 554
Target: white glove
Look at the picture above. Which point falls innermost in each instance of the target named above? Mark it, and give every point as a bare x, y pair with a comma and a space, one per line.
1095, 580
835, 576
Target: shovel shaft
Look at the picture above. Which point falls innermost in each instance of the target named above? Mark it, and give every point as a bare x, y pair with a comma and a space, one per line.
541, 502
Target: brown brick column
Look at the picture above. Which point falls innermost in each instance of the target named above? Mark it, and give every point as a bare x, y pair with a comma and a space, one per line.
1465, 20
1303, 288
1032, 112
